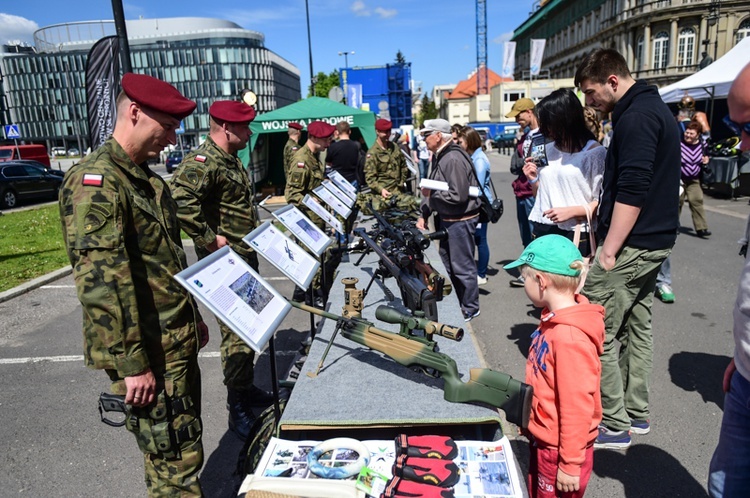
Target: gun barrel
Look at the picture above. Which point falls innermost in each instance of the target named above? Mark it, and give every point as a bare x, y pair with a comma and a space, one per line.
438, 235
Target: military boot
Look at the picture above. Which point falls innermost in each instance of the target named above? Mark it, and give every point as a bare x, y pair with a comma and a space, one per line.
241, 416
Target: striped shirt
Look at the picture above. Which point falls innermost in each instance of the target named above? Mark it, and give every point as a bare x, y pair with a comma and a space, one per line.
692, 158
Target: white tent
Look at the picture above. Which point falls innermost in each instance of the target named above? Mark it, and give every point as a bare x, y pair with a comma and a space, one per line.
712, 81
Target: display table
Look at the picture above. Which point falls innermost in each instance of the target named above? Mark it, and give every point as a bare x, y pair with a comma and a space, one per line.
364, 394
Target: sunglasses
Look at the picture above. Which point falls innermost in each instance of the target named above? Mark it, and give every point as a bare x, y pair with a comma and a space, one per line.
737, 128
427, 134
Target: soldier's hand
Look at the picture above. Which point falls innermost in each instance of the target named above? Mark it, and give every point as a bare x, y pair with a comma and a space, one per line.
421, 224
219, 242
203, 334
385, 194
141, 388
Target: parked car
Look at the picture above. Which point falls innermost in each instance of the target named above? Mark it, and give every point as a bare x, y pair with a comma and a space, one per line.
58, 151
173, 160
73, 152
55, 172
20, 181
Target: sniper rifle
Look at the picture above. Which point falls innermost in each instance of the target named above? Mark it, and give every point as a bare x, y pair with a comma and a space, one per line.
484, 386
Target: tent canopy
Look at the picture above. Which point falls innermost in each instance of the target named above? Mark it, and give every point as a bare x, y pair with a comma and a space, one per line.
712, 81
313, 109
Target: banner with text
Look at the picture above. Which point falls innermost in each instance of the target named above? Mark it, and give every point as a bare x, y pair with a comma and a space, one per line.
509, 59
537, 54
102, 83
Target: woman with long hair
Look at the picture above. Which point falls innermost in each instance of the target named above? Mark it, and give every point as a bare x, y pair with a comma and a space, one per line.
471, 142
570, 183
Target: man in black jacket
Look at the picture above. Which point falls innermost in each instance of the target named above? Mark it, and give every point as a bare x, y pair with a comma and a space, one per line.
457, 212
638, 221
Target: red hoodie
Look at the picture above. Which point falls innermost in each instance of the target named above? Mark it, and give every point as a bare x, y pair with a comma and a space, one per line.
564, 369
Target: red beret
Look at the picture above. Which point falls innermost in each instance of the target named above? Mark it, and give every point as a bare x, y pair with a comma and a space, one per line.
383, 125
157, 94
295, 126
232, 111
320, 129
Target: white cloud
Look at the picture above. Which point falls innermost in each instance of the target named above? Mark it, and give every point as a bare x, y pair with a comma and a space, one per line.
503, 38
385, 13
360, 9
16, 28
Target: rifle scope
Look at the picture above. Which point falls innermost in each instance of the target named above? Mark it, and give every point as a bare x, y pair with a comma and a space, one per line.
392, 315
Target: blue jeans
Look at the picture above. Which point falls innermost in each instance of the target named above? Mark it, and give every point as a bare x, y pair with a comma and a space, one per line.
523, 210
483, 249
424, 168
729, 473
665, 273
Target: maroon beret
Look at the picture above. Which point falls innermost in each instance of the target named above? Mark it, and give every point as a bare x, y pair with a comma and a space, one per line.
320, 129
232, 111
383, 125
157, 94
295, 126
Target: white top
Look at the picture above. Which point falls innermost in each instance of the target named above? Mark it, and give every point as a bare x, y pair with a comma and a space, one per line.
569, 180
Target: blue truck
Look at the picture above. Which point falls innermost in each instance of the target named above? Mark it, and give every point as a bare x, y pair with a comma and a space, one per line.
500, 134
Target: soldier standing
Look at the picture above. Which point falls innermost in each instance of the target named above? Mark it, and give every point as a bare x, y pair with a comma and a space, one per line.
122, 235
305, 174
215, 207
292, 146
386, 171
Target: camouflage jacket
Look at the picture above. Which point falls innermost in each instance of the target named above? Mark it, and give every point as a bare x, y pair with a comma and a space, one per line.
122, 235
290, 149
305, 174
385, 169
214, 196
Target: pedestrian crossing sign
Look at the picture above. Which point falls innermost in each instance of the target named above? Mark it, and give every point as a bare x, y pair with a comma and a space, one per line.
11, 131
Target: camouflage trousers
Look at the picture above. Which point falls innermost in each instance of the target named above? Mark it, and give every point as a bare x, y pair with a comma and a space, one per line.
236, 360
169, 431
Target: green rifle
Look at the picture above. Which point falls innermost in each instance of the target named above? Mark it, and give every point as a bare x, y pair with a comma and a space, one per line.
484, 386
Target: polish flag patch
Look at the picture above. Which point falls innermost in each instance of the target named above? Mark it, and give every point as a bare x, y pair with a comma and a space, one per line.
300, 165
93, 180
200, 159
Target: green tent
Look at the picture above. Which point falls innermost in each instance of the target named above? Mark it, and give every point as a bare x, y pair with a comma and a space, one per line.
306, 111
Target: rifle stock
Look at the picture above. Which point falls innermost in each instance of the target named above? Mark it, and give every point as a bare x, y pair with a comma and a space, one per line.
484, 386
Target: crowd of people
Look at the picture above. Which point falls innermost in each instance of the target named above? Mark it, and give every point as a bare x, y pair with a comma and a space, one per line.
598, 215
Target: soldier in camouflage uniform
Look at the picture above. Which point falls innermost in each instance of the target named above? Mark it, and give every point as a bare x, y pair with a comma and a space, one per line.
386, 172
122, 236
291, 147
215, 207
306, 174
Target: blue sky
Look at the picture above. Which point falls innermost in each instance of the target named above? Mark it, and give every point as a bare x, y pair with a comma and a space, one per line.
438, 37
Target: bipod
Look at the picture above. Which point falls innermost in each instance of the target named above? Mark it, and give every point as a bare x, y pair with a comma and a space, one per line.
339, 324
379, 273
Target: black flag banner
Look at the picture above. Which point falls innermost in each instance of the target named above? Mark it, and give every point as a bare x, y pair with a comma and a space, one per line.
102, 85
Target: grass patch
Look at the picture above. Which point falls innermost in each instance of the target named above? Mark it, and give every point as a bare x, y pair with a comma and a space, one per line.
31, 245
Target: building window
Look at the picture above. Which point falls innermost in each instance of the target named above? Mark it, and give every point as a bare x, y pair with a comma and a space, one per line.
743, 31
639, 53
686, 47
661, 50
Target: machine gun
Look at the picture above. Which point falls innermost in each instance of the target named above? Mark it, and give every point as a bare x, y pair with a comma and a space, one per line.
414, 292
484, 386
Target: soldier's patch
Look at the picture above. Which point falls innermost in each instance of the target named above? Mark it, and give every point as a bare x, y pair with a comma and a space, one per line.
93, 180
369, 155
300, 165
295, 148
95, 227
201, 159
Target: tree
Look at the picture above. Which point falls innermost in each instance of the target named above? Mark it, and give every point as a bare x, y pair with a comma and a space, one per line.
429, 111
400, 59
323, 84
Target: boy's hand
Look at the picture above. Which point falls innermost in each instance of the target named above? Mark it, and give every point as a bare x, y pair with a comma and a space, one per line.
567, 483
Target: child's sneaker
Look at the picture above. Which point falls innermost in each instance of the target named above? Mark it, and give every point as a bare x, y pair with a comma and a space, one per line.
615, 440
640, 426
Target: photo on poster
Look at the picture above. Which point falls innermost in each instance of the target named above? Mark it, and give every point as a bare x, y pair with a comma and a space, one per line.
344, 184
318, 209
237, 295
348, 202
334, 202
283, 253
301, 227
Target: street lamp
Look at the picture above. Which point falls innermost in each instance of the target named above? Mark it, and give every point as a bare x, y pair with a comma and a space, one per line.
346, 57
714, 15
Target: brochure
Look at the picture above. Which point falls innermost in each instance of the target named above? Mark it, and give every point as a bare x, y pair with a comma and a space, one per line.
488, 469
237, 295
334, 202
343, 184
283, 253
433, 184
327, 217
305, 230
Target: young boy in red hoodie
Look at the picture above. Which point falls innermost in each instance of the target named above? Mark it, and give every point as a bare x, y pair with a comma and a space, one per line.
563, 367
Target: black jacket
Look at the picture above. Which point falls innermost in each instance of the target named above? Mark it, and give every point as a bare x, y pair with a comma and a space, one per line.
643, 168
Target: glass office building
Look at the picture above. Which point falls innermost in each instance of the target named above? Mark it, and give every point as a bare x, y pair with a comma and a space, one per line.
43, 89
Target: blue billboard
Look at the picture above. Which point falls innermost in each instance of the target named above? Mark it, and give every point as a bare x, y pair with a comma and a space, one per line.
385, 90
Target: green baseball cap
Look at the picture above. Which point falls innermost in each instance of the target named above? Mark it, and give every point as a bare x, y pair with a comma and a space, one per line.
550, 253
